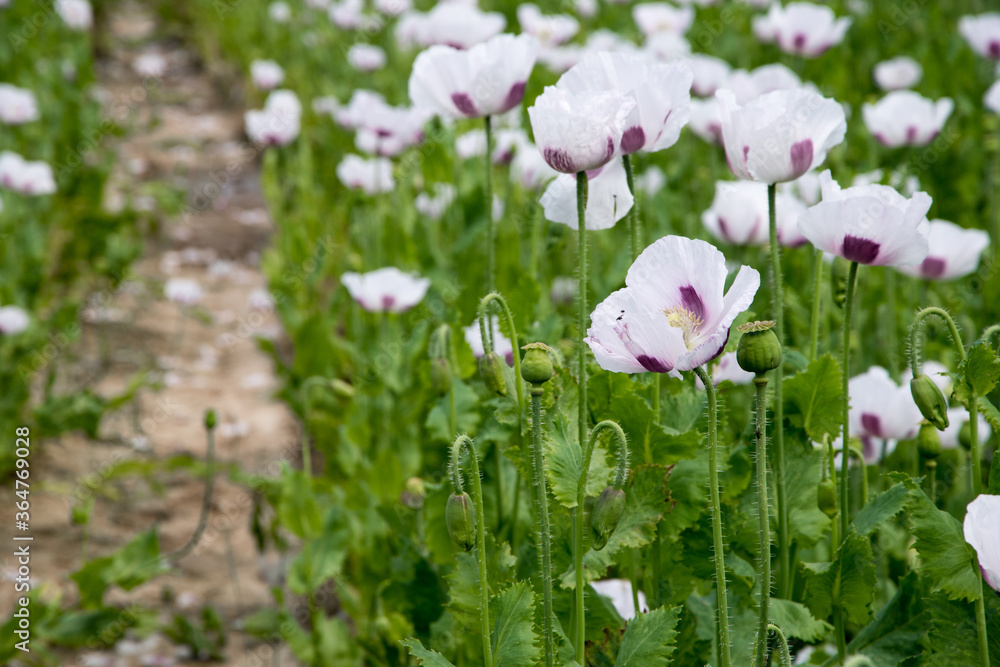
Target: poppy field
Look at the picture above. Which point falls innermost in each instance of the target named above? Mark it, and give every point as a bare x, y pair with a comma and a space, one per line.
607, 333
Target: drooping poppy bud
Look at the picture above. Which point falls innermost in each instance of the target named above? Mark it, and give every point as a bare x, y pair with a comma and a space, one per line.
930, 400
537, 367
826, 497
607, 513
440, 375
461, 520
759, 349
491, 370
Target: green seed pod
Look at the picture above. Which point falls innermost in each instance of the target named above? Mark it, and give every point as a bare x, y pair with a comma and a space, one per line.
537, 367
965, 436
928, 441
492, 371
210, 419
838, 286
440, 375
826, 497
606, 514
759, 349
461, 520
930, 400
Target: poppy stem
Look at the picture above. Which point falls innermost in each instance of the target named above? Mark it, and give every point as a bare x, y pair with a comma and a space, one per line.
635, 233
845, 507
490, 231
778, 308
581, 359
816, 306
718, 544
542, 511
984, 646
763, 515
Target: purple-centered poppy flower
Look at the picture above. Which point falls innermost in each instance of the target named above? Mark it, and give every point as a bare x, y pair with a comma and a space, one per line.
487, 79
501, 344
708, 73
801, 28
278, 123
530, 169
662, 95
898, 73
954, 252
880, 408
749, 85
739, 215
373, 176
672, 314
608, 198
705, 120
25, 176
905, 118
868, 224
455, 24
982, 531
266, 74
982, 32
781, 135
385, 290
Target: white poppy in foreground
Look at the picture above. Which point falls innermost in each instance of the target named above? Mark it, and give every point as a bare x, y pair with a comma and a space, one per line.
982, 32
672, 314
880, 408
549, 30
366, 57
656, 17
266, 74
708, 73
738, 214
578, 132
373, 176
385, 290
487, 79
608, 198
780, 135
992, 98
26, 177
619, 591
183, 291
905, 118
661, 93
501, 344
13, 320
77, 14
801, 28
869, 224
982, 531
278, 123
954, 252
898, 73
17, 105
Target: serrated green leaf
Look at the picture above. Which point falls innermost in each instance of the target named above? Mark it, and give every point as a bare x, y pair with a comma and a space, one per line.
881, 508
979, 372
795, 620
945, 559
463, 582
988, 410
803, 469
848, 582
320, 559
898, 627
812, 398
425, 656
953, 639
514, 639
649, 639
564, 460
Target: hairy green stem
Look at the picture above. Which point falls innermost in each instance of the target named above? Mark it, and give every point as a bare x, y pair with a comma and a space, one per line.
542, 507
984, 645
477, 499
763, 515
633, 215
786, 656
490, 225
845, 505
485, 332
816, 304
890, 307
718, 544
778, 308
581, 358
863, 465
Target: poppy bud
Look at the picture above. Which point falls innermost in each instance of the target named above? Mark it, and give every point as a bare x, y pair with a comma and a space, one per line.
440, 375
461, 520
491, 370
838, 287
606, 514
210, 419
928, 441
536, 367
930, 400
759, 349
826, 497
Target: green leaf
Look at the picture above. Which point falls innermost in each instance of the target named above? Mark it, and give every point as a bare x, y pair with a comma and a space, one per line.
425, 656
978, 373
989, 411
320, 559
803, 469
564, 461
466, 413
952, 639
994, 488
881, 508
813, 398
297, 508
795, 620
848, 582
649, 639
514, 639
134, 564
898, 627
945, 559
463, 582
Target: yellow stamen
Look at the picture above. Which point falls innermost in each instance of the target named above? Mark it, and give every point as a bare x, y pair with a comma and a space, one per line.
686, 321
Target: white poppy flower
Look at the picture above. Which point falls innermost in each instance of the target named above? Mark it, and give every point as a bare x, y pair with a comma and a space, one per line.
608, 198
385, 290
77, 14
871, 224
982, 531
954, 252
501, 344
781, 135
801, 28
905, 118
898, 73
880, 408
487, 79
366, 57
549, 30
184, 291
672, 314
656, 17
25, 177
279, 12
434, 206
278, 123
666, 47
705, 120
982, 32
373, 176
749, 85
709, 74
738, 214
459, 25
17, 105
619, 591
266, 74
650, 181
661, 93
530, 169
13, 320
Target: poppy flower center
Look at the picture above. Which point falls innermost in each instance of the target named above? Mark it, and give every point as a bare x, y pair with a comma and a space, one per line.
687, 321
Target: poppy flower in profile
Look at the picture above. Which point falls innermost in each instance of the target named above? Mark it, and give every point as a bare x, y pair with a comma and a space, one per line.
549, 30
13, 320
709, 73
366, 57
739, 215
486, 80
954, 252
385, 290
673, 313
982, 531
749, 85
880, 408
278, 123
266, 74
608, 198
801, 28
25, 176
868, 224
905, 118
657, 17
781, 135
898, 73
982, 32
373, 176
17, 105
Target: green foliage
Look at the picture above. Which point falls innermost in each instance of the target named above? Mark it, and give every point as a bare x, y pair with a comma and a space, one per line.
795, 620
945, 558
514, 639
813, 397
135, 563
564, 460
896, 633
425, 656
649, 639
847, 583
977, 374
881, 508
